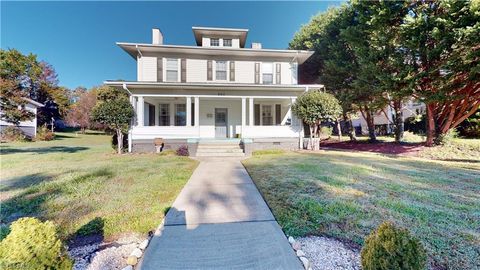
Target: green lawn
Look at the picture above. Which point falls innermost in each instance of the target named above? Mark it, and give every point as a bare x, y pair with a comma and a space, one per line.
346, 195
77, 180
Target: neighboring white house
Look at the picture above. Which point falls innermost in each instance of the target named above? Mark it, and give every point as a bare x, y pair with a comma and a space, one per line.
217, 90
384, 119
28, 127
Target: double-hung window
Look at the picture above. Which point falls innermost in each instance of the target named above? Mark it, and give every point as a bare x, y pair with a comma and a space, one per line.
164, 115
172, 70
221, 70
267, 73
227, 43
180, 115
214, 42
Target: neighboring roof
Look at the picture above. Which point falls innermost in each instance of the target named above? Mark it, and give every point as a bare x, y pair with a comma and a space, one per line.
33, 102
134, 48
223, 86
198, 32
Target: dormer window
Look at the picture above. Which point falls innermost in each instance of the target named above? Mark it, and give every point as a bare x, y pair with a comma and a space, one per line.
227, 42
214, 42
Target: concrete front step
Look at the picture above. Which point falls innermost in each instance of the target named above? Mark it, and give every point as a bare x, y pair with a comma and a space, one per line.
218, 146
219, 150
217, 154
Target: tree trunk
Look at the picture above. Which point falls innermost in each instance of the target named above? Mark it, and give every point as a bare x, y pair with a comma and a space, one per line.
311, 136
339, 127
399, 123
119, 141
371, 126
349, 127
430, 126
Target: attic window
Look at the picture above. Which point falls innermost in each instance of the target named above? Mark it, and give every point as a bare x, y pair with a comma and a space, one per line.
227, 43
214, 42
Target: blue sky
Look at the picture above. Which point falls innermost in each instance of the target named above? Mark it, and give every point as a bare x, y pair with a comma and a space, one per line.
78, 38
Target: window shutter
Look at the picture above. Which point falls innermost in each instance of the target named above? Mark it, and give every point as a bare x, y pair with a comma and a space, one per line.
209, 70
256, 113
232, 71
278, 79
257, 73
278, 114
183, 70
159, 69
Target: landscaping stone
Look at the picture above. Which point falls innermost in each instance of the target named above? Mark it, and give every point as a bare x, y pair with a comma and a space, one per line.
111, 258
137, 253
143, 244
306, 262
128, 267
296, 245
132, 260
291, 240
300, 253
329, 254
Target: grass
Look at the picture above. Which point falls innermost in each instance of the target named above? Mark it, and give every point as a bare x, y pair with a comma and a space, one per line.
79, 183
346, 195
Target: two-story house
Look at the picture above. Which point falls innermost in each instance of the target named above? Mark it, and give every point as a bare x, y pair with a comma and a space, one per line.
218, 91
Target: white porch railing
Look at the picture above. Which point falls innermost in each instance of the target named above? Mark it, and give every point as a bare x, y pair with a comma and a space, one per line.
270, 131
166, 132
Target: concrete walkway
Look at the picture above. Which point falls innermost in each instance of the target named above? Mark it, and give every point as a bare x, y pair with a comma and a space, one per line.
220, 221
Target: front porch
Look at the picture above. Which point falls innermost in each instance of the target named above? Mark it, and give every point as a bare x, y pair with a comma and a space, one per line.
179, 118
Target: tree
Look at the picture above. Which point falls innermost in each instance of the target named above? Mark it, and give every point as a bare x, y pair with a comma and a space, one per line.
315, 107
80, 113
444, 38
114, 110
23, 76
16, 73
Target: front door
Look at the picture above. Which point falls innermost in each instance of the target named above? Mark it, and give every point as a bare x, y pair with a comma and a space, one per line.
221, 116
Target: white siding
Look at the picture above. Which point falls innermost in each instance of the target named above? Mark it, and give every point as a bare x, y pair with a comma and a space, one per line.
244, 72
286, 73
147, 69
196, 70
235, 43
294, 72
205, 42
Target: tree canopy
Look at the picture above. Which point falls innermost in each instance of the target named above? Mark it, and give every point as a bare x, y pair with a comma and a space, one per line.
371, 54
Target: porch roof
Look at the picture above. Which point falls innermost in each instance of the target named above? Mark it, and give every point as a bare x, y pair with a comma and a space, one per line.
212, 86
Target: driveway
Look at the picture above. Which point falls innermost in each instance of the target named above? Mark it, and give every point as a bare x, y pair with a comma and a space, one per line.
219, 221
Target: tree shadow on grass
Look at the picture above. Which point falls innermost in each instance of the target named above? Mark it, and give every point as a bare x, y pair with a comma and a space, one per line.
90, 233
23, 182
42, 150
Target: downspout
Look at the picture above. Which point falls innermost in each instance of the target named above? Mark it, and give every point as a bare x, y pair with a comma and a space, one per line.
124, 86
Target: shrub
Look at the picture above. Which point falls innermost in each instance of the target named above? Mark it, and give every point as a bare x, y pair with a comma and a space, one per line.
390, 248
44, 134
448, 137
326, 132
182, 151
12, 134
33, 244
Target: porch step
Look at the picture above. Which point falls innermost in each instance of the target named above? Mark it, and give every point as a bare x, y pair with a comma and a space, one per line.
218, 146
219, 150
217, 154
229, 148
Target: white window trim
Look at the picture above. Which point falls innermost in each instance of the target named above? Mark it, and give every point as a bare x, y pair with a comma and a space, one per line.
273, 71
164, 71
214, 71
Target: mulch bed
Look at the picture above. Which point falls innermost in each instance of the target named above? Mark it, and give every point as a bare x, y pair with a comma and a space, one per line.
403, 149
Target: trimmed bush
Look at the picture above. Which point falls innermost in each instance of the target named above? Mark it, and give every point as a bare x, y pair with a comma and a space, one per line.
182, 151
12, 134
391, 248
44, 134
33, 244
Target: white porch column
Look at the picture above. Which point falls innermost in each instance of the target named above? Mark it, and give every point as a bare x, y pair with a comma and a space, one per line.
157, 114
140, 111
250, 112
292, 116
244, 116
189, 111
197, 112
